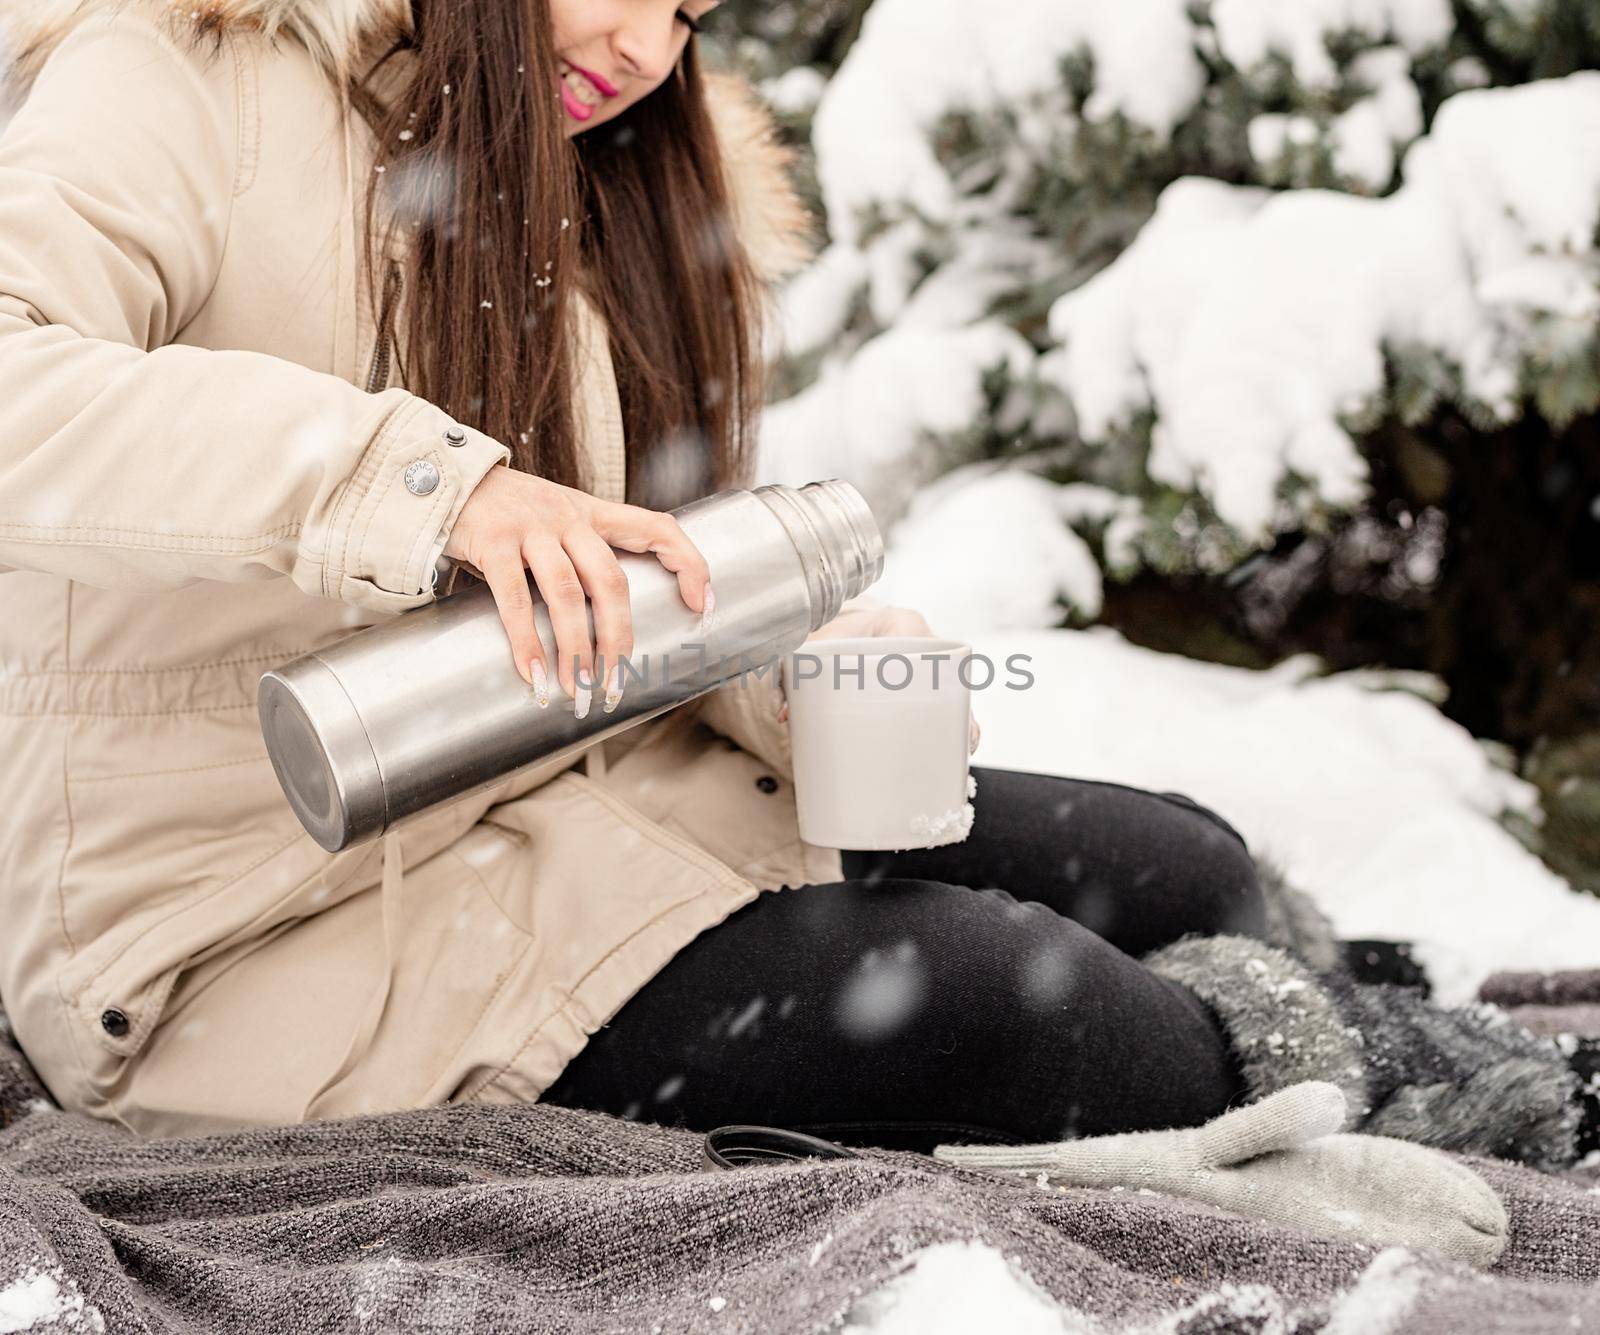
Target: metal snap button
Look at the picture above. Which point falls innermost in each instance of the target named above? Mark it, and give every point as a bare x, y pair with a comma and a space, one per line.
114, 1022
421, 477
455, 436
767, 784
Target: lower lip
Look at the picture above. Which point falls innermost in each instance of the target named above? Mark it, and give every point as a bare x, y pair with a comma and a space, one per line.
576, 109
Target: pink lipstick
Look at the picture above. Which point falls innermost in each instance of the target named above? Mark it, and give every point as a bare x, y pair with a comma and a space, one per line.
606, 89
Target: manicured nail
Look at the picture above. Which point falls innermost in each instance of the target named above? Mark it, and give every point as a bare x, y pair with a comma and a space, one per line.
973, 733
580, 702
614, 688
541, 683
783, 712
706, 613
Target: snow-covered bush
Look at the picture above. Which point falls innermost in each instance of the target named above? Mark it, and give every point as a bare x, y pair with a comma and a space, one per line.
1257, 330
1293, 289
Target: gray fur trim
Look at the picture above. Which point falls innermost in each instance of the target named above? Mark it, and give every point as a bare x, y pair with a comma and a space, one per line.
1520, 1109
1466, 1078
1284, 1026
1294, 922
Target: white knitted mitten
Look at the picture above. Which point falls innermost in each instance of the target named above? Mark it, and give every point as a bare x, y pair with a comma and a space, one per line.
1283, 1159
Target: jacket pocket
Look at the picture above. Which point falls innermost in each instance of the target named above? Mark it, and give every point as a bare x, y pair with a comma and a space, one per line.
608, 896
151, 844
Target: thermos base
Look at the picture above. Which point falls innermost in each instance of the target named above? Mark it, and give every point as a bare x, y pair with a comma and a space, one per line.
288, 701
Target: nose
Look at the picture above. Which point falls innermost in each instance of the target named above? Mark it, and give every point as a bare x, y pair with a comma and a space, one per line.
648, 45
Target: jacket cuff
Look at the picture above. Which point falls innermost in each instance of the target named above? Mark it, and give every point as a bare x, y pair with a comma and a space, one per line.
395, 516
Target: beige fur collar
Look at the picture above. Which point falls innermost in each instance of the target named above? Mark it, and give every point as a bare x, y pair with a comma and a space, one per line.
767, 213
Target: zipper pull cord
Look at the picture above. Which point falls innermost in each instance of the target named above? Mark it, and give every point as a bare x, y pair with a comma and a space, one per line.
377, 1002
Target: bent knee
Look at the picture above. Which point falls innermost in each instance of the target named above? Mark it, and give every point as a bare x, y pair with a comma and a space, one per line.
1221, 887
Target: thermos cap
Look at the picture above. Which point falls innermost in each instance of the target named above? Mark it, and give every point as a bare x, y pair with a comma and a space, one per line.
833, 528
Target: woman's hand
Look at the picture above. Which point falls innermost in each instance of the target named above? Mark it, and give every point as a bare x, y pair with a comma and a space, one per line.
876, 621
513, 520
872, 621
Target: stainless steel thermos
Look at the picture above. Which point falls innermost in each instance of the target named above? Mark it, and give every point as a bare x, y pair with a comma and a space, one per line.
428, 706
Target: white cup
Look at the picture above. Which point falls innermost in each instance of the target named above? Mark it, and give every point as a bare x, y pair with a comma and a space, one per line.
878, 731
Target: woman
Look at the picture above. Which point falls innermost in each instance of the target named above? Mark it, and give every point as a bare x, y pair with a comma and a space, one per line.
252, 404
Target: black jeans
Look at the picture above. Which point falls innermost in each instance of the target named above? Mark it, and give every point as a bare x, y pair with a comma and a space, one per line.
986, 990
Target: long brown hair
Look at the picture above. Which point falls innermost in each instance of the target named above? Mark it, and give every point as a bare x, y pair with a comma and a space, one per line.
506, 216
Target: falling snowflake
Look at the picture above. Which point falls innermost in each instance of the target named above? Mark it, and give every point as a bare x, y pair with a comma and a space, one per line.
882, 993
747, 1017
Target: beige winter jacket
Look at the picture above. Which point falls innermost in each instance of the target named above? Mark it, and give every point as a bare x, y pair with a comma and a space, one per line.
196, 485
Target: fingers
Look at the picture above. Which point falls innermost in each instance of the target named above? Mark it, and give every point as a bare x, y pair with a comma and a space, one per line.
565, 538
901, 621
503, 572
635, 529
607, 586
974, 733
857, 621
563, 595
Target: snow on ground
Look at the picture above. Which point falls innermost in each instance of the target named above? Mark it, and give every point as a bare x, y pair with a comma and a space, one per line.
1371, 800
955, 1288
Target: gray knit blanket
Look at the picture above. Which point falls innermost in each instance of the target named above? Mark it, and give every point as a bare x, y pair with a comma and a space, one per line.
478, 1218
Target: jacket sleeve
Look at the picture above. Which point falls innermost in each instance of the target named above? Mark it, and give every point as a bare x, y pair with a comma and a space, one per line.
131, 461
745, 710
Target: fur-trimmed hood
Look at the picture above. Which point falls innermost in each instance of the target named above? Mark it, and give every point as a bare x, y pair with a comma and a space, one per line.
768, 214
